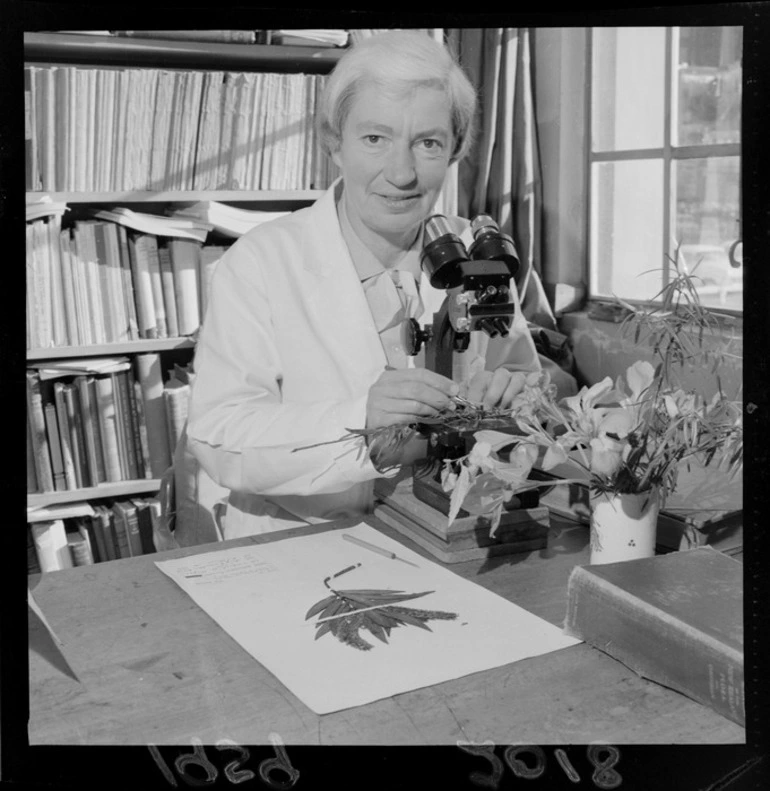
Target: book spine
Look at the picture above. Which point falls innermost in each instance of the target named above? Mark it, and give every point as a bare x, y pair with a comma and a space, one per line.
135, 424
65, 442
122, 543
38, 437
132, 529
77, 439
29, 131
141, 422
108, 427
91, 437
677, 656
140, 268
123, 425
31, 474
51, 544
129, 292
107, 527
169, 298
150, 378
144, 516
153, 262
185, 260
96, 531
80, 548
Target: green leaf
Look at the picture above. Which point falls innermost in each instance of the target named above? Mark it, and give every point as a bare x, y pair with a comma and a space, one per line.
375, 629
405, 617
323, 629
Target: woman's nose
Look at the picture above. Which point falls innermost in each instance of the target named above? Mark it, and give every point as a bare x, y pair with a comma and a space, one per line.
400, 167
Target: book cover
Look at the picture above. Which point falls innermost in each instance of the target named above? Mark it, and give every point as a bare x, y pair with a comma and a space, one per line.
104, 527
185, 261
71, 473
77, 438
50, 540
150, 376
90, 421
38, 435
675, 619
144, 518
105, 401
127, 528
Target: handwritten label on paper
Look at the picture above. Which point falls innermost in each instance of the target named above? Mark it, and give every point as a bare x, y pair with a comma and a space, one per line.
219, 567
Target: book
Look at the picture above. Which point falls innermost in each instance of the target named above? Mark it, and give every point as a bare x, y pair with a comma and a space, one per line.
108, 429
138, 246
124, 428
47, 513
103, 526
127, 528
31, 474
153, 260
675, 619
30, 148
37, 433
128, 283
207, 155
227, 220
134, 424
150, 377
77, 436
50, 539
54, 443
71, 474
185, 261
176, 396
116, 279
144, 518
79, 545
90, 423
140, 430
169, 296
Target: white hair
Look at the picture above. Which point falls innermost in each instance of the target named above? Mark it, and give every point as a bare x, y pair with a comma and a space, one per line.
398, 60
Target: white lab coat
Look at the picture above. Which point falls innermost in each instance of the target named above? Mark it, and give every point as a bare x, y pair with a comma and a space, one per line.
285, 359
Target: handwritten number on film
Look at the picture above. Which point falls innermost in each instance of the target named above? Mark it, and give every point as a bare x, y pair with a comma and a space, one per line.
520, 758
268, 769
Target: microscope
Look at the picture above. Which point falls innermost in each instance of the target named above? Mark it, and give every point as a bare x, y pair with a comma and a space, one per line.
478, 283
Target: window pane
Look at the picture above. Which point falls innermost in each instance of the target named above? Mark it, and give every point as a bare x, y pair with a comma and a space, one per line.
627, 88
627, 228
706, 195
708, 85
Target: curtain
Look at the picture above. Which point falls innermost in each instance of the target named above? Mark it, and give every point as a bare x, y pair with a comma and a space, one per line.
501, 176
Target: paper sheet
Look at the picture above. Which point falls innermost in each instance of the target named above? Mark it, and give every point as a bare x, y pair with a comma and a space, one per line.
261, 594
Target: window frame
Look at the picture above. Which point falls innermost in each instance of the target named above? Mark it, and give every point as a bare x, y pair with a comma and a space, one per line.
668, 154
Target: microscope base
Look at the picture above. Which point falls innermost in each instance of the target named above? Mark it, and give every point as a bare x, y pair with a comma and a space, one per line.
522, 530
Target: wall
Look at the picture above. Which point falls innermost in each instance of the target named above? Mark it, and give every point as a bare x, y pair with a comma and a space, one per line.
601, 349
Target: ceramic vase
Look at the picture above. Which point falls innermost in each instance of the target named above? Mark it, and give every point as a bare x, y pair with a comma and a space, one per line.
623, 526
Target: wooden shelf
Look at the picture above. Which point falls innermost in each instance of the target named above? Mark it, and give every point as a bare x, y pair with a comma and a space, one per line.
110, 349
182, 196
120, 51
119, 489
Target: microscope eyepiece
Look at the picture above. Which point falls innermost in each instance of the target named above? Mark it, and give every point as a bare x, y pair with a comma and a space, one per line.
442, 253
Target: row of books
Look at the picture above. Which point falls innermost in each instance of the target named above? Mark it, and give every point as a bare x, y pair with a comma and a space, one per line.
107, 532
105, 420
94, 129
100, 281
310, 37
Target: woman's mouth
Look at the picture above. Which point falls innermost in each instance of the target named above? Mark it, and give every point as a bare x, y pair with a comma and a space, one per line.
400, 202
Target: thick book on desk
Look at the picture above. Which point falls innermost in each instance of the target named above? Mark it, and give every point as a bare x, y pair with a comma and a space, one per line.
675, 619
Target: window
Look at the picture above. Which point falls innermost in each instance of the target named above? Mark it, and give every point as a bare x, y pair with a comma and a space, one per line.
664, 161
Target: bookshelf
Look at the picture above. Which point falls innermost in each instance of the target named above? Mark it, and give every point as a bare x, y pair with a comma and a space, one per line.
64, 51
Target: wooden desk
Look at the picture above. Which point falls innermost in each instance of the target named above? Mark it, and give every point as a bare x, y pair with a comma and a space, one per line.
155, 669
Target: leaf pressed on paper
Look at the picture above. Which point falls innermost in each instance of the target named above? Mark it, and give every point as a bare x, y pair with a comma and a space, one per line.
378, 611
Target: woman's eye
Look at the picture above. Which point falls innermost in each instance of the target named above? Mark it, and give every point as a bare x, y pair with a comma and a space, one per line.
373, 139
431, 144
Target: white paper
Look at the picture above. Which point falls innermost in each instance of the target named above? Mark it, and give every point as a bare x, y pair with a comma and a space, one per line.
260, 595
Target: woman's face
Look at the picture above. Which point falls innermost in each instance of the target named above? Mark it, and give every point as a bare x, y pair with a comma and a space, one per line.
394, 155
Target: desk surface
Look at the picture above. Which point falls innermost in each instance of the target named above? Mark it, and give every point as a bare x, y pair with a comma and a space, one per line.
155, 669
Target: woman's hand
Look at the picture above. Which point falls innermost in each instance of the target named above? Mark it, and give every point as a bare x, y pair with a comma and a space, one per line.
407, 395
495, 389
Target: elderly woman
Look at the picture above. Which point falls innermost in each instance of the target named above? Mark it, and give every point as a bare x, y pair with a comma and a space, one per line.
303, 337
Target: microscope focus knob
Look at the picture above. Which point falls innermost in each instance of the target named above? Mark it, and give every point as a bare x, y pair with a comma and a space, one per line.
415, 336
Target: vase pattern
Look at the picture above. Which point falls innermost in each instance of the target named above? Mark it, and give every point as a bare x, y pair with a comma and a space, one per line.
623, 526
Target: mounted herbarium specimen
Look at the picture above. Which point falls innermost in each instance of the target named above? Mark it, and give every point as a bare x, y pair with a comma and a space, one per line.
377, 611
